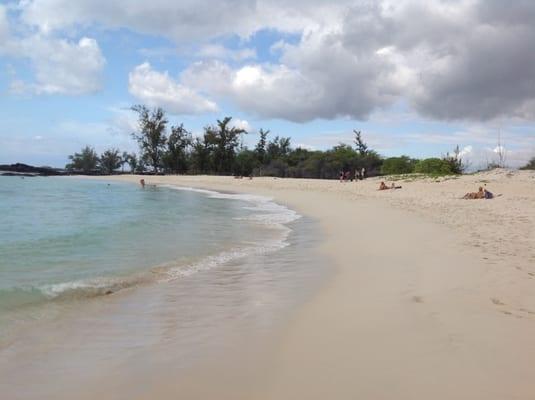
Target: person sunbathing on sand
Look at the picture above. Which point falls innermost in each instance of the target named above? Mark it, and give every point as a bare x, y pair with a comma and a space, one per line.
480, 194
383, 186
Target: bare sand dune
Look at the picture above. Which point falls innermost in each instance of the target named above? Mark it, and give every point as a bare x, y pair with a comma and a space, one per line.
433, 296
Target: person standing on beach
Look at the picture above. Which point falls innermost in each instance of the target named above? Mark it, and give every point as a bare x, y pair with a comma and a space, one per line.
363, 173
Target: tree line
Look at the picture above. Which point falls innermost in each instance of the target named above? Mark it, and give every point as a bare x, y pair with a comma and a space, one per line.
172, 149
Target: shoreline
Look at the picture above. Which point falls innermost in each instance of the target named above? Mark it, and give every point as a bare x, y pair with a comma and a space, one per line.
248, 286
417, 303
412, 311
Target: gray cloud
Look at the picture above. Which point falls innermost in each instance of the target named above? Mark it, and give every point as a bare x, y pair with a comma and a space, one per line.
451, 60
489, 73
4, 25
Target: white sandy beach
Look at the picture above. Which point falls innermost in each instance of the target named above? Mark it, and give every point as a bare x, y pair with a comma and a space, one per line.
433, 297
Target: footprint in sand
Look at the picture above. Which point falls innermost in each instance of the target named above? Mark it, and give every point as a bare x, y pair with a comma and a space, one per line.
417, 299
497, 301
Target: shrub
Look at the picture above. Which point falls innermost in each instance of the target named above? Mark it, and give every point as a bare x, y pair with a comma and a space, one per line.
244, 163
530, 164
433, 166
398, 165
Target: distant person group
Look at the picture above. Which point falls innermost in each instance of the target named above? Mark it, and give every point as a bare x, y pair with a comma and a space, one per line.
357, 175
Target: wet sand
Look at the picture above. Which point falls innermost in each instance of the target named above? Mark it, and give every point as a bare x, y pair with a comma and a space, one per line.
432, 296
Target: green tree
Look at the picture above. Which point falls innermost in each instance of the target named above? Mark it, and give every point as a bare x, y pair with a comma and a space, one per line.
455, 160
276, 167
260, 149
433, 166
141, 167
201, 154
245, 162
366, 157
361, 147
110, 160
152, 134
124, 160
132, 161
279, 147
398, 165
86, 161
317, 167
176, 157
225, 140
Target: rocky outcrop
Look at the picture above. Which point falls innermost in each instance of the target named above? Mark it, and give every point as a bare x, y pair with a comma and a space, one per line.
29, 170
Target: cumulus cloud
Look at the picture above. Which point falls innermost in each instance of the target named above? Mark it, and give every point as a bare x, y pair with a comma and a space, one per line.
241, 124
159, 89
303, 87
60, 66
466, 151
451, 60
460, 62
182, 20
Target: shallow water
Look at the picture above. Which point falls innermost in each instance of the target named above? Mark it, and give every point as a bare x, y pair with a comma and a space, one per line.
195, 307
69, 239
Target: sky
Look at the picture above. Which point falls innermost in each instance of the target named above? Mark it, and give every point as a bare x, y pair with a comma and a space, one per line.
417, 77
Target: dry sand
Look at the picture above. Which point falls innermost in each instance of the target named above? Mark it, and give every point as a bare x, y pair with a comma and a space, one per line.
433, 297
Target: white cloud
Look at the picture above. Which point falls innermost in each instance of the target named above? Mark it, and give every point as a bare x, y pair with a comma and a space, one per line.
305, 146
60, 66
216, 51
122, 122
466, 151
241, 124
63, 67
159, 89
182, 20
4, 24
499, 149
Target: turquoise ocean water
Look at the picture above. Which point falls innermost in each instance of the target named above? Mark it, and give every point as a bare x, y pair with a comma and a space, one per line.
108, 285
64, 239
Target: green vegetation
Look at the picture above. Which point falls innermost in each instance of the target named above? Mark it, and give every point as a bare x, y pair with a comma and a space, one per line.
110, 160
86, 161
220, 150
398, 165
151, 136
455, 161
530, 164
433, 166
